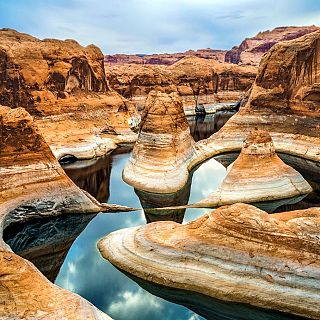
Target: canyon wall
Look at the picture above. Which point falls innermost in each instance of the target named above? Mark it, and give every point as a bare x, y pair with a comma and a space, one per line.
164, 58
63, 85
284, 100
197, 80
251, 50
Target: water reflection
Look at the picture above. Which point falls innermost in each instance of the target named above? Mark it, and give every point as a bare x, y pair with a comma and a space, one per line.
203, 126
46, 241
211, 308
155, 200
92, 176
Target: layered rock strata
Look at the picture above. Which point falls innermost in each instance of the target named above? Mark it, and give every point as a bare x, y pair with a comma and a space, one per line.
160, 158
33, 184
164, 58
63, 85
236, 253
284, 100
251, 50
258, 175
197, 80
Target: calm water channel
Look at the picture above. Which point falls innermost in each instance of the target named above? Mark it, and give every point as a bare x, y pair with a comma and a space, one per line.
64, 248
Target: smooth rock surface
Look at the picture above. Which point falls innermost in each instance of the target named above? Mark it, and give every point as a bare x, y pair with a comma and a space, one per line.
34, 185
284, 100
257, 175
160, 157
236, 253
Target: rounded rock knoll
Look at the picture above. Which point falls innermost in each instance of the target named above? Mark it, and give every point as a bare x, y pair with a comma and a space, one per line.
160, 158
236, 253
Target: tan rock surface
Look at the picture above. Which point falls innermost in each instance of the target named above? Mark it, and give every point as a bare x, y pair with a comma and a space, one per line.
33, 184
63, 85
160, 157
251, 50
196, 79
236, 253
257, 175
284, 101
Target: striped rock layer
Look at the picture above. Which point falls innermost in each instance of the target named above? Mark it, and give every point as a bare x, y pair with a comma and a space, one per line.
33, 184
258, 175
236, 253
284, 100
160, 158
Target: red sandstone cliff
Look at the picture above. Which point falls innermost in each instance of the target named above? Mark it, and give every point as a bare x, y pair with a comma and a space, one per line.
251, 50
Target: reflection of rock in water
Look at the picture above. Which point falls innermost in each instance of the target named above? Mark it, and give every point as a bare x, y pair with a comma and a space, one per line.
92, 176
211, 308
310, 171
46, 241
156, 200
203, 126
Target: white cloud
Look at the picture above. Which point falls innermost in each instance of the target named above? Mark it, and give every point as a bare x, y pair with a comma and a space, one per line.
143, 26
133, 303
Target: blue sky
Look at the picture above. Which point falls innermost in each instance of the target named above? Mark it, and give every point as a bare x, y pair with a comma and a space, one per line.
147, 26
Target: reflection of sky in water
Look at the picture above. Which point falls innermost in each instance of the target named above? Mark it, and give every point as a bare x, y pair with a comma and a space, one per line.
85, 272
205, 180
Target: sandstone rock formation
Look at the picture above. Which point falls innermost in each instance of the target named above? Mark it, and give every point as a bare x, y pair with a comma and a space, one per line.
251, 50
164, 58
34, 185
257, 175
236, 253
197, 80
284, 100
160, 157
63, 85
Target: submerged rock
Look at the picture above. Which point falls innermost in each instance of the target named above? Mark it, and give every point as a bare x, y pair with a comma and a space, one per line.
160, 158
236, 253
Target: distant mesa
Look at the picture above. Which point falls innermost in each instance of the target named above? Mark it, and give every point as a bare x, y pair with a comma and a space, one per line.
251, 50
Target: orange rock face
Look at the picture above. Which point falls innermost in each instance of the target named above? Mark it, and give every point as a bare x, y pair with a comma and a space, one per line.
251, 50
284, 100
33, 184
236, 253
160, 158
197, 80
63, 85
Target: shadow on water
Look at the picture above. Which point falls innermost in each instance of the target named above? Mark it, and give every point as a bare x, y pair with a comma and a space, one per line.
64, 248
